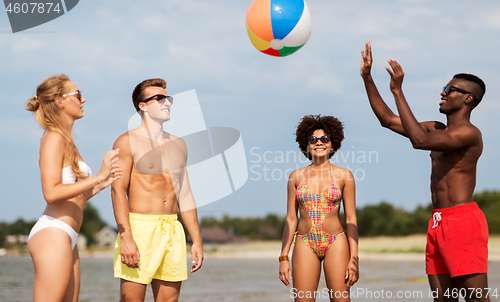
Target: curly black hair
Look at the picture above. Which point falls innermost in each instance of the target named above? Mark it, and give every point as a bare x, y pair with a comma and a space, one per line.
329, 124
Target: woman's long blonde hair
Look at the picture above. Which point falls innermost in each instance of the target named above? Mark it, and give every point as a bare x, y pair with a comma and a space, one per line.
48, 116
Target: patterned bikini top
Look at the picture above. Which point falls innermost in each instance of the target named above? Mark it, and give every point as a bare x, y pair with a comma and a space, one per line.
325, 201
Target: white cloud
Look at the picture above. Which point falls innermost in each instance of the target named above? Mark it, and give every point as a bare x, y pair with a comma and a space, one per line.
492, 19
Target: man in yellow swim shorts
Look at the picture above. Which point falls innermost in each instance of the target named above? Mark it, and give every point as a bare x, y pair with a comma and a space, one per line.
151, 245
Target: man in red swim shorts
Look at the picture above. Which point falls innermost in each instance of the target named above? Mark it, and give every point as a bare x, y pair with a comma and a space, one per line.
457, 238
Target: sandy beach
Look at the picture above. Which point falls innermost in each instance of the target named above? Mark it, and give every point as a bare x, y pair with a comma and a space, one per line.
402, 248
405, 248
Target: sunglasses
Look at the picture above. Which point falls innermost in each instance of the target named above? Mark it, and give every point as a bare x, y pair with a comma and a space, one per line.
77, 94
448, 88
160, 98
313, 140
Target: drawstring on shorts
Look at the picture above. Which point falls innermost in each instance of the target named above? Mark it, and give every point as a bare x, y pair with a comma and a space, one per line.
436, 218
169, 221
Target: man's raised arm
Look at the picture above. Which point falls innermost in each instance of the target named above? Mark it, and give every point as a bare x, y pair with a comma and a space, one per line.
422, 135
384, 114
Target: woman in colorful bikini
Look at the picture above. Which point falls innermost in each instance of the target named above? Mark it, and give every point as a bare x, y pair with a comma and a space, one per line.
66, 184
316, 191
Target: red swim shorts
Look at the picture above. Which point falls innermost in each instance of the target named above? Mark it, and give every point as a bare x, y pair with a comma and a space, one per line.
457, 241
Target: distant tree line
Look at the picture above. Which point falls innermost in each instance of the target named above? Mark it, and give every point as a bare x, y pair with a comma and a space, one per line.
489, 202
373, 220
267, 228
91, 224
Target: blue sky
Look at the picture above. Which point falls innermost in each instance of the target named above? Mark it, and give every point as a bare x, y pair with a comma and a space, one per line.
107, 47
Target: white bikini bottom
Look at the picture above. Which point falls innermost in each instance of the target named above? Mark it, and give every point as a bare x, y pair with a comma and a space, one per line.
50, 222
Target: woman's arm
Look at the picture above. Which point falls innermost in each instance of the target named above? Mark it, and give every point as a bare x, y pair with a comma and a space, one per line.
285, 271
115, 173
349, 197
52, 150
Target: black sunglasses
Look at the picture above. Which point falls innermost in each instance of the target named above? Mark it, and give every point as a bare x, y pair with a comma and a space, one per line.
160, 98
325, 139
448, 88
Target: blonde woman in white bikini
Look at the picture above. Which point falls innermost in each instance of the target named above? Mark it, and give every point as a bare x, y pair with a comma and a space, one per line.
66, 184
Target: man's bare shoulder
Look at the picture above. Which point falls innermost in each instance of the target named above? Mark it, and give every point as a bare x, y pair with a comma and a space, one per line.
466, 131
123, 142
433, 125
464, 138
473, 127
172, 136
469, 127
470, 133
125, 137
137, 132
175, 139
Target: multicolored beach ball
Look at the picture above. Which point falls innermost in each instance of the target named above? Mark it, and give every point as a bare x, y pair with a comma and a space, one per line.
278, 27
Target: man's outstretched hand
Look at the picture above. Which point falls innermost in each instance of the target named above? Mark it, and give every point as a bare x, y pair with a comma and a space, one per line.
366, 60
396, 74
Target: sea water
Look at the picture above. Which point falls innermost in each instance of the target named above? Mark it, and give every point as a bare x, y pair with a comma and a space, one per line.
237, 280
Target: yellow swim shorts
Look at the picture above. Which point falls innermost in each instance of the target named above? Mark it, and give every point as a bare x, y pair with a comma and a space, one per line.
162, 248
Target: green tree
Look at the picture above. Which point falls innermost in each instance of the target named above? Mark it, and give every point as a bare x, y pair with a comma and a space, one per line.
486, 199
420, 219
92, 223
489, 202
373, 219
209, 222
3, 232
385, 219
20, 227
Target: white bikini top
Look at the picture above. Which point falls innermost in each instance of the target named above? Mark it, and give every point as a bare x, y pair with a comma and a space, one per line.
67, 174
